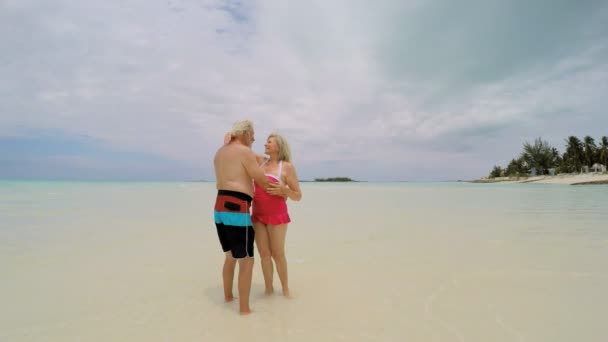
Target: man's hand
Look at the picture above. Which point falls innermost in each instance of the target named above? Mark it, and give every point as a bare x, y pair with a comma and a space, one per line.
278, 189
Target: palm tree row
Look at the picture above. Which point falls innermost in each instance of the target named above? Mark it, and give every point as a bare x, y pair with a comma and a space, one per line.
542, 157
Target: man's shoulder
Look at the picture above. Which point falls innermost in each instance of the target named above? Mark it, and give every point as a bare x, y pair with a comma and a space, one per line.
241, 148
234, 149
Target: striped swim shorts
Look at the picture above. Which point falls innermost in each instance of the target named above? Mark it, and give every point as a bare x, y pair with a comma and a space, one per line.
233, 223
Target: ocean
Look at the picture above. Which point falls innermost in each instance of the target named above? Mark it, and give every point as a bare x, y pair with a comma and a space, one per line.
438, 261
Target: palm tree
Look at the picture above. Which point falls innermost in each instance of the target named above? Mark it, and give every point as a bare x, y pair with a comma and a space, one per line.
589, 151
556, 159
515, 168
573, 158
538, 156
497, 171
603, 151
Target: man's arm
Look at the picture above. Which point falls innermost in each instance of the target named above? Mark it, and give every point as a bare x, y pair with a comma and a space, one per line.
254, 170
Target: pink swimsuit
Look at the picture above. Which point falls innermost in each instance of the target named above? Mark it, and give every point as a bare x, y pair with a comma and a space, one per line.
267, 208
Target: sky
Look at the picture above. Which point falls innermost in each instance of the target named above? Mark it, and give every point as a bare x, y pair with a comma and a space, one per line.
388, 90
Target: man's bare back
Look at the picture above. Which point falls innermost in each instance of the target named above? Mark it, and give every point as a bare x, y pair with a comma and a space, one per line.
235, 167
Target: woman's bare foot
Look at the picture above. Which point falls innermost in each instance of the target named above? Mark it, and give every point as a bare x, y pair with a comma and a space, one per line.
245, 312
269, 291
286, 293
228, 299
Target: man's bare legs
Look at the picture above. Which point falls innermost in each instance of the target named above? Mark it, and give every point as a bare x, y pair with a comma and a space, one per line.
244, 282
262, 240
277, 247
245, 275
228, 276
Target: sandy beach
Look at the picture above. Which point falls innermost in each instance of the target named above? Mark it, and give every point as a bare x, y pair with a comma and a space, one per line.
385, 262
589, 178
564, 179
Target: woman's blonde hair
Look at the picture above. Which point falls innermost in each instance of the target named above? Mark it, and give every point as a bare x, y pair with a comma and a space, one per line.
284, 149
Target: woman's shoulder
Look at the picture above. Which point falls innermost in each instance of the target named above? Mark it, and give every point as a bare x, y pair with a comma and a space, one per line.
288, 165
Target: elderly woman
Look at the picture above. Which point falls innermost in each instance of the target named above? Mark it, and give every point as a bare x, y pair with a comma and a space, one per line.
269, 209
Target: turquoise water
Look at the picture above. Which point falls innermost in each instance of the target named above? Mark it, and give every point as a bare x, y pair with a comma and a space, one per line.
35, 211
39, 212
441, 261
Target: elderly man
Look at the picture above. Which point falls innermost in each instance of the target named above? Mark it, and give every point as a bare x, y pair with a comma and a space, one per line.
235, 167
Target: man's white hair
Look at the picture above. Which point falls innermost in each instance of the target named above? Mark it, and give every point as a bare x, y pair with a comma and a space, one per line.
242, 127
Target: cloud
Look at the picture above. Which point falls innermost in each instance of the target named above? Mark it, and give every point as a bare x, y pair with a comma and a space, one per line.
410, 86
48, 155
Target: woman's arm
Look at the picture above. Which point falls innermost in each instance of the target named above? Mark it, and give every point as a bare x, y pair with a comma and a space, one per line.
291, 189
228, 138
260, 158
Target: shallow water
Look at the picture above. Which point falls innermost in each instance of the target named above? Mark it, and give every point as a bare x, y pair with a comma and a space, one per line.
367, 261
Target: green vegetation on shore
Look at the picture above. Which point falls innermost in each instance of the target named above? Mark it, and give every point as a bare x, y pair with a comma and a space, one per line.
545, 159
334, 179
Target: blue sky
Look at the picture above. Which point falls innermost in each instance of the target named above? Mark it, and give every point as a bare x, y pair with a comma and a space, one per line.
385, 90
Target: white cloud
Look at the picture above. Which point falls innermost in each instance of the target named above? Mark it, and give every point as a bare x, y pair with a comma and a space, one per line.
169, 77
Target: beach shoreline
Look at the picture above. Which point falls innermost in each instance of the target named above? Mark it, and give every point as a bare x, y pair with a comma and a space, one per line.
564, 179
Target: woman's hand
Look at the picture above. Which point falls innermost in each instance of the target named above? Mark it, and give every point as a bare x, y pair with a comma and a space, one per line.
227, 138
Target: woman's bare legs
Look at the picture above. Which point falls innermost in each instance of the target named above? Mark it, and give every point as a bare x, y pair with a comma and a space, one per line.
262, 240
277, 247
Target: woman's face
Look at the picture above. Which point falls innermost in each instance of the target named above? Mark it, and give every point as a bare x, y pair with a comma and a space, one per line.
271, 146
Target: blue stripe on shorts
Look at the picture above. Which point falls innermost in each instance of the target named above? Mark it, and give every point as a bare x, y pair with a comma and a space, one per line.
233, 219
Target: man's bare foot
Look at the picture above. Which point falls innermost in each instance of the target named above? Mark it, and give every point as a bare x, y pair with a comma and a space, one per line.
269, 292
286, 293
228, 299
245, 312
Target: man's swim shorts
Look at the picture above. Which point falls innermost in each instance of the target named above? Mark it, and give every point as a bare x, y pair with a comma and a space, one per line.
233, 223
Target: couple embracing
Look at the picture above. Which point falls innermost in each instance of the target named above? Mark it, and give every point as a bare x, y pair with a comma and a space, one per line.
243, 180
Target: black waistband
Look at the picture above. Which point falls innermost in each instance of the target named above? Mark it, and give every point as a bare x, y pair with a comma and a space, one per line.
236, 194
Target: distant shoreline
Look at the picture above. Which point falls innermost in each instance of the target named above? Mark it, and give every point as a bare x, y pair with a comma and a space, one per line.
334, 179
564, 179
316, 180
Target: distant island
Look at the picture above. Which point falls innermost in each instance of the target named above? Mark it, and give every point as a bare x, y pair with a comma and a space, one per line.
334, 179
